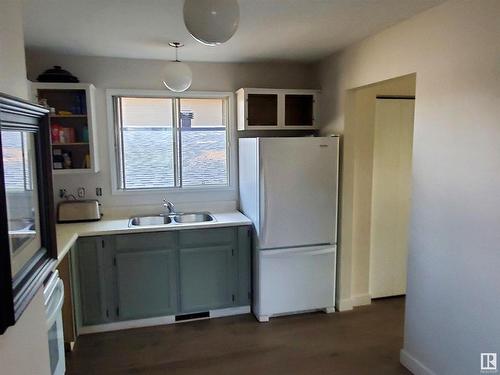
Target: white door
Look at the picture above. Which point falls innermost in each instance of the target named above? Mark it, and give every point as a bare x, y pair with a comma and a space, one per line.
298, 200
391, 196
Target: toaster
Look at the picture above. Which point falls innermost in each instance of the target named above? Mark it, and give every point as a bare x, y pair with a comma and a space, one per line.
73, 211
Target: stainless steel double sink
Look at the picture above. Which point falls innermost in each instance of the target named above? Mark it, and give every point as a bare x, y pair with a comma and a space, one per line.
172, 219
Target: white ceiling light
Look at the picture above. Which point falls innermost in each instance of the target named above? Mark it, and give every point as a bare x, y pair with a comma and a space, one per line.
211, 22
177, 76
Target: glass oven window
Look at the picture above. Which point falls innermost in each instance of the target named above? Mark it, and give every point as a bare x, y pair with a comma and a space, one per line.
18, 148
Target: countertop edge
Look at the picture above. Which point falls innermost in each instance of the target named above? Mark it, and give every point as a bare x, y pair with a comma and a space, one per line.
68, 234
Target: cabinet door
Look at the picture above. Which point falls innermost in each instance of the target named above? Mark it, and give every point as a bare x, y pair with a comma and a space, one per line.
90, 268
244, 296
146, 284
208, 278
299, 109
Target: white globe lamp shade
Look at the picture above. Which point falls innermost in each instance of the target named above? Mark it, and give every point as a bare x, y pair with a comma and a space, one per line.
211, 22
177, 76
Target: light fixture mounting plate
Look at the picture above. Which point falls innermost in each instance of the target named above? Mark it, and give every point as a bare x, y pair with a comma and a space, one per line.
176, 44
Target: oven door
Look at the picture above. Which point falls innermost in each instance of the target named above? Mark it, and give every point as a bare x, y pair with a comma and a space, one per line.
54, 298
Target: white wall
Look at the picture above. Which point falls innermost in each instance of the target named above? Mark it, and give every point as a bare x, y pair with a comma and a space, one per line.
23, 347
12, 61
109, 73
453, 278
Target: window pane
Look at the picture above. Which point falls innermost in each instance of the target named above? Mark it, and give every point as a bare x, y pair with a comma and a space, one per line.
19, 165
203, 141
148, 152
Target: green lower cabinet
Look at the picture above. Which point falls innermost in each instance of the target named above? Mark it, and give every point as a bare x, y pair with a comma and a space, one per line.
208, 278
244, 266
137, 276
146, 284
93, 275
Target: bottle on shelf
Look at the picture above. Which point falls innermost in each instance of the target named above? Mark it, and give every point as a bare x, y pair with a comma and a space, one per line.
67, 160
85, 134
54, 132
57, 159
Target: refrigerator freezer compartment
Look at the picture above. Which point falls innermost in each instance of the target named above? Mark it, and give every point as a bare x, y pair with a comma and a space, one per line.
294, 280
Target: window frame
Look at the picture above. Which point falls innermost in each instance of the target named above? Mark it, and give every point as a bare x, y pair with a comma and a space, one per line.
113, 146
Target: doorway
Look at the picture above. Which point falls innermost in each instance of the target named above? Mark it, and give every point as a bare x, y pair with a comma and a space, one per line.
376, 186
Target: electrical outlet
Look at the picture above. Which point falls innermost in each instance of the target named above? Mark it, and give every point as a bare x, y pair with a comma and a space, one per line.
98, 191
62, 193
81, 192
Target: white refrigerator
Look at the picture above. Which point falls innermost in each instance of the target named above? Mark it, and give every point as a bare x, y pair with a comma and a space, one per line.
289, 189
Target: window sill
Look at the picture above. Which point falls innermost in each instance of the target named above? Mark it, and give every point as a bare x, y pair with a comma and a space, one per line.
186, 190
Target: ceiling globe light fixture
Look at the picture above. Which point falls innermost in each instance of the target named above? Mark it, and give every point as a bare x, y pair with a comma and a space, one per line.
211, 22
177, 76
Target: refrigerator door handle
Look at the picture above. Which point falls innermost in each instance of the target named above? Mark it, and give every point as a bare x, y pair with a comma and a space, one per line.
264, 209
300, 251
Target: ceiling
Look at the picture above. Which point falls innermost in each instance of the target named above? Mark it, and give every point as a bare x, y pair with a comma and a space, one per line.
298, 30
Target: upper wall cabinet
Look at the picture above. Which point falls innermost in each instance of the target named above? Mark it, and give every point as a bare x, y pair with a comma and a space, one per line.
274, 109
72, 125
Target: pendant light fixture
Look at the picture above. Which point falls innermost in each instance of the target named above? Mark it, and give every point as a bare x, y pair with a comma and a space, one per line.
177, 76
211, 22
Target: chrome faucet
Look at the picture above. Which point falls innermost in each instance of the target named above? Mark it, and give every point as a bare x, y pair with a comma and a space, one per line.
169, 207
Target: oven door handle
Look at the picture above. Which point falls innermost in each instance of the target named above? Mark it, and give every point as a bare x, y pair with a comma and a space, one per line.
55, 306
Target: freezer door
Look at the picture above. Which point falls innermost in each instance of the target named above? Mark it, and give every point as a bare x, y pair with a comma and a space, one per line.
294, 280
298, 191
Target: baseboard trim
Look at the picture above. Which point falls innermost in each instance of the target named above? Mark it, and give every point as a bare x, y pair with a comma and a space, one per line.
361, 300
138, 323
414, 365
162, 320
344, 304
230, 311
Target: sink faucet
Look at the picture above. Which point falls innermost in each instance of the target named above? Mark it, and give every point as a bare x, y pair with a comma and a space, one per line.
169, 207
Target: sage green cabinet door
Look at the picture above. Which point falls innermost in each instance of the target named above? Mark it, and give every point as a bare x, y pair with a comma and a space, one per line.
207, 277
244, 295
90, 280
146, 284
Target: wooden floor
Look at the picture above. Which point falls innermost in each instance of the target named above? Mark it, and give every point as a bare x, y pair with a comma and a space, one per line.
366, 340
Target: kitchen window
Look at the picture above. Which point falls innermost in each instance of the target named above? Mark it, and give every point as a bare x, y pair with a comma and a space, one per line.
171, 142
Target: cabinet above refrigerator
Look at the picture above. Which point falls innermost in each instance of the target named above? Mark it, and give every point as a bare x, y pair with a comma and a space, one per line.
277, 109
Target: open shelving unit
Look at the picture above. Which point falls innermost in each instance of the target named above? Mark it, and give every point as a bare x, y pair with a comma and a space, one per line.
72, 123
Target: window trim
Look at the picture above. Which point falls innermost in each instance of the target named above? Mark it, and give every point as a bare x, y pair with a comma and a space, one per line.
231, 139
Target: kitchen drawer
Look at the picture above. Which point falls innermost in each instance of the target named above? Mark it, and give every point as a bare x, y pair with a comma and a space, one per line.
207, 237
150, 240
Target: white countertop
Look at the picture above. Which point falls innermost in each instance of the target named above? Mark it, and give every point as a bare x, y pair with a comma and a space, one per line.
67, 234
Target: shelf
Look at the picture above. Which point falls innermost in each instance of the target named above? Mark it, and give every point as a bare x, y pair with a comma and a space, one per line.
74, 144
72, 171
78, 99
